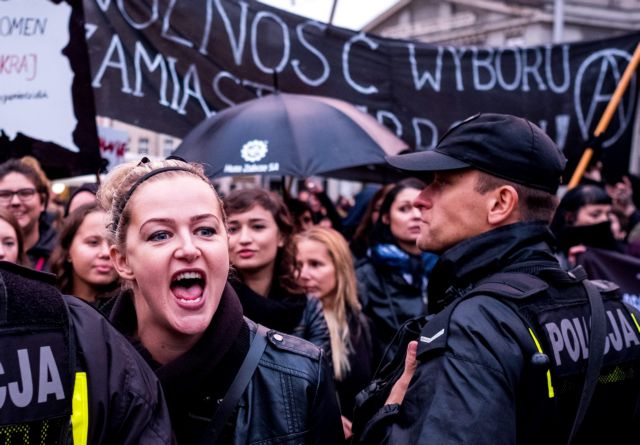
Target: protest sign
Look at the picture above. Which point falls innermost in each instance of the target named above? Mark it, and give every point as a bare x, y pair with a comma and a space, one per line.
46, 103
168, 65
624, 270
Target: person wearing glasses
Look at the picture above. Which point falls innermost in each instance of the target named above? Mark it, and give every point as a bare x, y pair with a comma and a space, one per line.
25, 193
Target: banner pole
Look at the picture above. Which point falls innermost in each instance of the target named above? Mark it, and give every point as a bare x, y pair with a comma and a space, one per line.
606, 116
333, 12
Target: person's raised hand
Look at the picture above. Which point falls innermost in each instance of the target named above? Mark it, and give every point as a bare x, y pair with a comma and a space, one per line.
396, 396
622, 196
346, 428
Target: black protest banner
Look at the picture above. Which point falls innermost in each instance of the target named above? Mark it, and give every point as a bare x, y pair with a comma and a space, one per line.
624, 270
46, 101
166, 65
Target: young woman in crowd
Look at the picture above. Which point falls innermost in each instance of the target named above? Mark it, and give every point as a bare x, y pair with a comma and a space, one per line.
326, 272
85, 194
583, 219
300, 213
24, 193
11, 244
262, 255
361, 238
81, 258
392, 278
187, 321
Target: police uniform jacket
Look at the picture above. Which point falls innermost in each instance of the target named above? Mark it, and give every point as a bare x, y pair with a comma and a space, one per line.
290, 398
71, 362
475, 382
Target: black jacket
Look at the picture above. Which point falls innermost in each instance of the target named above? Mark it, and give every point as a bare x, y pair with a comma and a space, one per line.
39, 254
387, 299
123, 402
363, 360
290, 398
479, 387
127, 405
295, 314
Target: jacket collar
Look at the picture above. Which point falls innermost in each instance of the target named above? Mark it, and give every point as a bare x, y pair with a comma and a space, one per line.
523, 246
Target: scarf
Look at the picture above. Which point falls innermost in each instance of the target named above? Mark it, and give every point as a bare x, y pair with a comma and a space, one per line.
415, 269
280, 310
593, 235
207, 368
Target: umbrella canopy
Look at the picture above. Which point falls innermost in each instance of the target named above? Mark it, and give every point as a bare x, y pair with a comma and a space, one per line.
293, 135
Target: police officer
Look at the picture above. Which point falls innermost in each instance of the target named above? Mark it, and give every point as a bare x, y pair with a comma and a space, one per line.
504, 357
66, 375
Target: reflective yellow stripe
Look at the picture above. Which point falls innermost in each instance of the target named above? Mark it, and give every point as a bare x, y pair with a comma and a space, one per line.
80, 414
535, 340
635, 321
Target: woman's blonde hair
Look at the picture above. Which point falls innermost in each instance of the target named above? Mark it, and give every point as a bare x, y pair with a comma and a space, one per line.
120, 185
345, 297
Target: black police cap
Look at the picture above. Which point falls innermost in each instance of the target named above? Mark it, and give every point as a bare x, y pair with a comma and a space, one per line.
502, 145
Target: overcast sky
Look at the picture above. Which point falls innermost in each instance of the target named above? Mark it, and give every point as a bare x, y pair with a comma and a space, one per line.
351, 14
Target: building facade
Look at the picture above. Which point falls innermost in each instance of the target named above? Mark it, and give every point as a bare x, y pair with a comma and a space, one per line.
496, 23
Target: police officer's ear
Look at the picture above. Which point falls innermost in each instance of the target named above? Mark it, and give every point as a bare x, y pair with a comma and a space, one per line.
503, 206
120, 263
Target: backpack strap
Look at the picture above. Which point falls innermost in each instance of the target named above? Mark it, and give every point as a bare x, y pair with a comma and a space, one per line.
239, 384
596, 354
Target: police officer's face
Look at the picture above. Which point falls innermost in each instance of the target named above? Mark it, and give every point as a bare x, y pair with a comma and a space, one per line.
450, 210
176, 256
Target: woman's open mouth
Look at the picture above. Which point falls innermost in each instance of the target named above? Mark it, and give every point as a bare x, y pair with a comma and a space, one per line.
188, 288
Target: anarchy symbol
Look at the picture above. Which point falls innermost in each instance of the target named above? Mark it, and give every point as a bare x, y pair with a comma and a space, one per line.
609, 65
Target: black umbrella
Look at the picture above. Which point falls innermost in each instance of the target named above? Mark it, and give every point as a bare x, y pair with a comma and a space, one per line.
293, 135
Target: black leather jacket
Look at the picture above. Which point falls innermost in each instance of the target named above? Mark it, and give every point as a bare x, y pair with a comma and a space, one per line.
290, 399
311, 324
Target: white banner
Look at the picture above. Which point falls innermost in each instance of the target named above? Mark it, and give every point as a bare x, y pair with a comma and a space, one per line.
35, 76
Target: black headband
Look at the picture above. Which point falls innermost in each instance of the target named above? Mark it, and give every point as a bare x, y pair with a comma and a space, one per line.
140, 180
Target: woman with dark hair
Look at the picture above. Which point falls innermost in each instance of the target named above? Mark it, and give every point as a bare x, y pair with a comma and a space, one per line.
301, 214
583, 219
392, 278
226, 379
263, 258
85, 194
81, 258
361, 238
25, 193
11, 244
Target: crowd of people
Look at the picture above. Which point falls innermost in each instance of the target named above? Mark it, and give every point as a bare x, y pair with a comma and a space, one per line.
262, 316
